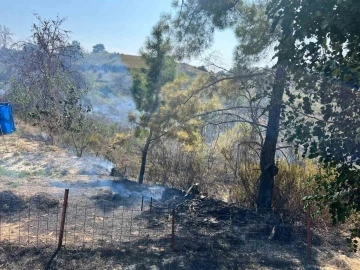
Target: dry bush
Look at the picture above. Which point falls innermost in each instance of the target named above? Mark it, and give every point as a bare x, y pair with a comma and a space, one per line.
292, 184
171, 164
124, 151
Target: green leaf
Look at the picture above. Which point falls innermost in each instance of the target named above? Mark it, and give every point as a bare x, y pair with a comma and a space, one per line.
335, 73
347, 77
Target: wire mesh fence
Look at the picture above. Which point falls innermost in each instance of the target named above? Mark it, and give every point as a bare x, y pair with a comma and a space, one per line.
32, 224
104, 224
92, 225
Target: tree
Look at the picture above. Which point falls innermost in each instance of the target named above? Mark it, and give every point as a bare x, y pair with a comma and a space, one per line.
147, 86
203, 68
75, 120
5, 37
193, 29
320, 41
77, 48
46, 73
99, 48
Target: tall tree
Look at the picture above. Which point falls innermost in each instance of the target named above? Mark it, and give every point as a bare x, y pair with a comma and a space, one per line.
147, 86
320, 40
45, 73
194, 26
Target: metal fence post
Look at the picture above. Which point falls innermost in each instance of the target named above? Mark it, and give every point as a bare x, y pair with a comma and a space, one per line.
63, 217
308, 231
142, 203
173, 231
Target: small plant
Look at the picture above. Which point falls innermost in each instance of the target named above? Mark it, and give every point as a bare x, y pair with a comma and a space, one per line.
39, 172
23, 173
14, 185
6, 172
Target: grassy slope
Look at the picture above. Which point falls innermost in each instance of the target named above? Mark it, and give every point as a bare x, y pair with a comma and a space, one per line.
135, 62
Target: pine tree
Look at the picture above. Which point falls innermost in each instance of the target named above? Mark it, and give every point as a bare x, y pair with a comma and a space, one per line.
147, 85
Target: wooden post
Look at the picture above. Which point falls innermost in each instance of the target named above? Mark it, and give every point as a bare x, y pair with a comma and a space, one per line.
150, 204
63, 217
3, 136
173, 231
142, 203
308, 230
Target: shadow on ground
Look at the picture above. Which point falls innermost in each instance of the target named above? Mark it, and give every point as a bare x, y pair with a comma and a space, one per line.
155, 255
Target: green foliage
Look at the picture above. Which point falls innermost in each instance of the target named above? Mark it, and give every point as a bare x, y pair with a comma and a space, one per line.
196, 21
19, 95
77, 49
13, 174
161, 69
320, 40
98, 48
194, 25
146, 87
203, 68
47, 86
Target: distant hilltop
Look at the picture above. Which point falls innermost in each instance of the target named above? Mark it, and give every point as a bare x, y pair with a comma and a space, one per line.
136, 62
119, 62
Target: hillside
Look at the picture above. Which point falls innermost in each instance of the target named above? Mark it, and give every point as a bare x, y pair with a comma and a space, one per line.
135, 62
109, 81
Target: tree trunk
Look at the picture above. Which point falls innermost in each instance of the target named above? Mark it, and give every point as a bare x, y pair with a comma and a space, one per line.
143, 158
267, 156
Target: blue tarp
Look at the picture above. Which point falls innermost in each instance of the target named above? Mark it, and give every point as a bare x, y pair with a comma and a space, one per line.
6, 119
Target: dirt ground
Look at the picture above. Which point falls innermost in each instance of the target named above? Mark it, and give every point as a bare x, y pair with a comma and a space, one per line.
207, 236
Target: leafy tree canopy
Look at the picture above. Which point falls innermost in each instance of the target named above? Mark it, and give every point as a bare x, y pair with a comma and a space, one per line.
98, 48
195, 22
320, 40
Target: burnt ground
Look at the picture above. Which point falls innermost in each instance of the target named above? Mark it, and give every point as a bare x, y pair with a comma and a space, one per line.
210, 234
36, 258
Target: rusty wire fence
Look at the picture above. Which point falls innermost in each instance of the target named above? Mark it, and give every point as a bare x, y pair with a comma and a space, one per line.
103, 224
31, 224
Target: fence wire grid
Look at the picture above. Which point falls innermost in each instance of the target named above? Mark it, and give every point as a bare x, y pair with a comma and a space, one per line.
103, 224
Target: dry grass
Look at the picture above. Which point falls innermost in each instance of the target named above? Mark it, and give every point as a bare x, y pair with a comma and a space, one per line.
343, 262
27, 145
133, 61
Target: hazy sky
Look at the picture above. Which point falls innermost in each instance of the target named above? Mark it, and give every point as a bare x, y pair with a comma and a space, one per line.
121, 25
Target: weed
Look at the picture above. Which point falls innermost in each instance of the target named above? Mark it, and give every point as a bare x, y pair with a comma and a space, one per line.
39, 172
6, 172
56, 175
23, 174
14, 184
10, 173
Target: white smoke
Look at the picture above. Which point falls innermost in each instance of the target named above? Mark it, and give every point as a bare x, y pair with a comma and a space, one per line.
109, 84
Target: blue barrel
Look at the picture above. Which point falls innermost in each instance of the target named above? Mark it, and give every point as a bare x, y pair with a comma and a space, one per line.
6, 119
